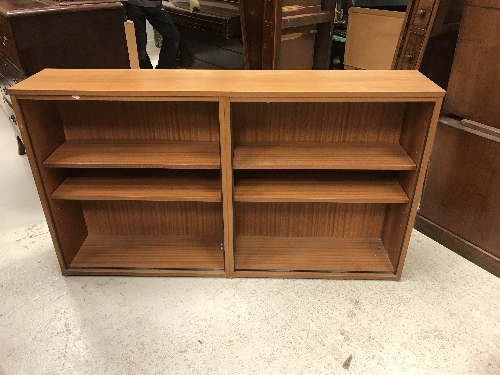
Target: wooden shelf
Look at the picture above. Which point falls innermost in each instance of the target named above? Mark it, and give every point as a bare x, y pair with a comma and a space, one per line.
321, 155
298, 189
144, 189
174, 155
298, 173
311, 254
150, 252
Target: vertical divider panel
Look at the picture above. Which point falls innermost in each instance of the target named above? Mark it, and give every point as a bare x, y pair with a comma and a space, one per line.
226, 154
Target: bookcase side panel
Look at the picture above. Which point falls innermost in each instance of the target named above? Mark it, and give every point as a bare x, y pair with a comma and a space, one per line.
44, 132
416, 134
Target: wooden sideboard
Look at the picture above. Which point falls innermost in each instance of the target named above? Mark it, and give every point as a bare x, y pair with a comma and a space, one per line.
461, 202
313, 174
35, 35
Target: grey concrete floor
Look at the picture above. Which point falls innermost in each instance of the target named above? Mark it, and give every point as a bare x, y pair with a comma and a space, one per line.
443, 317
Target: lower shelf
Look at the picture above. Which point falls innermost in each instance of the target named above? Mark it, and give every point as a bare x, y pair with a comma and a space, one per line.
150, 252
311, 254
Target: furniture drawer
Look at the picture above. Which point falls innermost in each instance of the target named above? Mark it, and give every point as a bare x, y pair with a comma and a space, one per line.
422, 14
7, 106
10, 72
7, 44
411, 52
4, 85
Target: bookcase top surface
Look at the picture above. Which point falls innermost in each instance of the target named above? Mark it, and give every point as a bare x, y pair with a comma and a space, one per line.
234, 83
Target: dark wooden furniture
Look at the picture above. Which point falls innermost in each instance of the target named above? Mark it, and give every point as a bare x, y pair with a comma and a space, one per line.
460, 206
35, 35
428, 38
287, 34
461, 203
210, 37
474, 87
216, 17
213, 173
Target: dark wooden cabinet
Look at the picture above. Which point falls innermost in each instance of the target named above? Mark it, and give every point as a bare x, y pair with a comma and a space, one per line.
475, 80
35, 35
460, 206
428, 39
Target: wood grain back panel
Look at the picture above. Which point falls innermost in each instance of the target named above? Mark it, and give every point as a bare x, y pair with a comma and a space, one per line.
317, 122
309, 219
146, 121
153, 218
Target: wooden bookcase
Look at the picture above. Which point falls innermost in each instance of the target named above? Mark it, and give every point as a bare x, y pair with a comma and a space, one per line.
236, 173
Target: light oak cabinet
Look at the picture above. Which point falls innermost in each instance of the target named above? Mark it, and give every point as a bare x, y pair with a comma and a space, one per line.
235, 173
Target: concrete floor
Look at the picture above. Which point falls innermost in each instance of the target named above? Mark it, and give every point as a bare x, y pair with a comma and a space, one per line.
443, 317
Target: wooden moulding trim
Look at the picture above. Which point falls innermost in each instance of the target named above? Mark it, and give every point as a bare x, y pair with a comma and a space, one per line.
473, 127
122, 98
377, 12
318, 275
282, 98
301, 2
484, 3
141, 272
325, 99
458, 245
55, 7
305, 19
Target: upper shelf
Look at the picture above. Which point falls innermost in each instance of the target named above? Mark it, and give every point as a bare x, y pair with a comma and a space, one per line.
362, 155
384, 85
173, 155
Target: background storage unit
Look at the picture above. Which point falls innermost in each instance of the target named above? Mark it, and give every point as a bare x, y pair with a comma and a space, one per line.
475, 75
460, 207
57, 34
315, 175
372, 38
